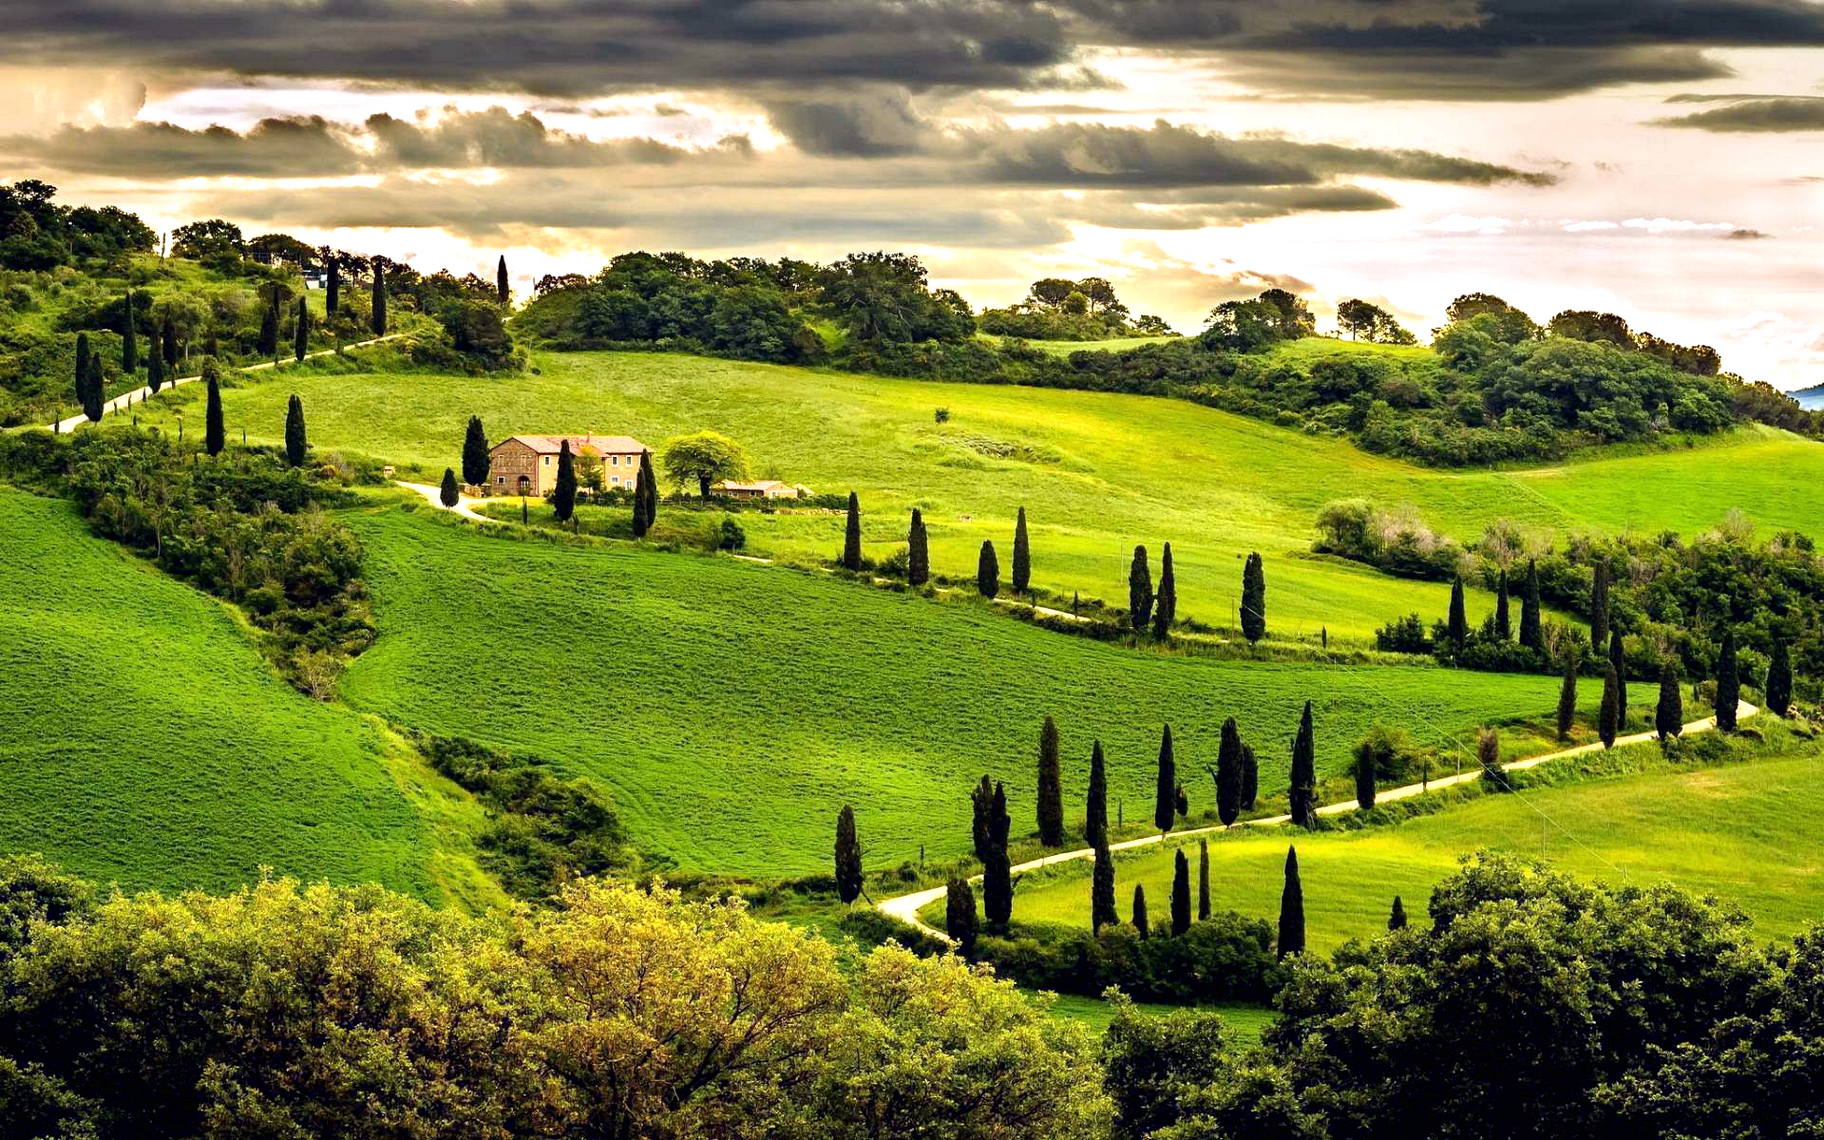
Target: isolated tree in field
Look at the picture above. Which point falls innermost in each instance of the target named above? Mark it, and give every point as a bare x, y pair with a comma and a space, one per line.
81, 376
1669, 716
997, 881
332, 288
987, 571
1228, 774
706, 457
848, 856
1504, 630
918, 551
1618, 657
1532, 633
645, 497
1778, 692
1608, 717
1250, 778
563, 493
1397, 919
851, 536
448, 493
500, 280
96, 391
1181, 894
1457, 625
297, 443
1022, 555
959, 915
300, 332
377, 318
1292, 909
1095, 804
475, 461
1599, 606
1728, 684
1165, 603
1364, 775
981, 806
1051, 787
1304, 772
1567, 697
129, 340
1488, 756
168, 343
1102, 889
1254, 599
215, 431
155, 371
268, 343
1141, 922
1165, 791
1139, 591
1203, 879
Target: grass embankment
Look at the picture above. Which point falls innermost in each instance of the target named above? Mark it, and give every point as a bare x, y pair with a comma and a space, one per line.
733, 708
146, 742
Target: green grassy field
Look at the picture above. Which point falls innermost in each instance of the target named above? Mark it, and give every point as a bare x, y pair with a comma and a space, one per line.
1098, 473
733, 708
1737, 832
145, 742
1245, 1022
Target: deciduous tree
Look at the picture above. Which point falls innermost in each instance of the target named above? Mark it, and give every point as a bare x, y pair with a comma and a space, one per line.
706, 457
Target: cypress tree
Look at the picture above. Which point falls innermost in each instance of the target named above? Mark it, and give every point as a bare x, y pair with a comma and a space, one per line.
81, 377
1051, 787
1181, 894
987, 571
215, 433
851, 536
1532, 634
268, 343
1618, 657
918, 551
1095, 804
475, 461
449, 494
155, 371
1488, 755
1669, 717
377, 320
1364, 778
1254, 599
1779, 680
1165, 603
1397, 920
1504, 630
1139, 591
1165, 791
500, 280
297, 444
1203, 879
1608, 719
1228, 774
1250, 778
300, 335
1304, 772
981, 805
1567, 697
1728, 684
168, 342
1457, 627
332, 293
1022, 556
848, 850
959, 915
645, 497
1599, 606
997, 879
1102, 890
563, 493
129, 340
1141, 923
97, 390
1292, 909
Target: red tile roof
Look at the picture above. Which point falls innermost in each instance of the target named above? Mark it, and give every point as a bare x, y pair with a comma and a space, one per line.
552, 444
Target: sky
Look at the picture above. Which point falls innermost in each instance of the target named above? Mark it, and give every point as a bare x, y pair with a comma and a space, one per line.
1658, 159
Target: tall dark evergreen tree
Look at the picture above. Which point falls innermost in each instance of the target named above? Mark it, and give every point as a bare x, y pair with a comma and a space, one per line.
1165, 603
918, 551
959, 915
1488, 756
155, 370
377, 319
1728, 684
268, 343
851, 535
475, 461
1181, 894
987, 571
1292, 909
96, 398
1141, 922
645, 497
501, 292
168, 344
1304, 772
1250, 778
1618, 657
1608, 718
332, 291
1567, 697
1165, 791
981, 806
1669, 716
1532, 633
1203, 879
215, 431
1778, 691
1051, 787
1139, 591
848, 854
300, 332
81, 376
1599, 606
297, 443
1228, 774
1095, 804
1022, 555
1364, 778
997, 878
1102, 890
129, 339
563, 492
1457, 626
1504, 629
1397, 919
448, 493
1254, 599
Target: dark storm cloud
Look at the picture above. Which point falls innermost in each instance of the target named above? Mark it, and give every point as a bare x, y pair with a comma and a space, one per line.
870, 125
1783, 113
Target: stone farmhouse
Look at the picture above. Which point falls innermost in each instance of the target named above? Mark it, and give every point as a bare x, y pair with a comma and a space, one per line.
764, 489
527, 464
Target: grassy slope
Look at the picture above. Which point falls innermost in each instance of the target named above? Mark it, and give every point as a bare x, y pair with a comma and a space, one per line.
145, 742
732, 708
1102, 472
1709, 830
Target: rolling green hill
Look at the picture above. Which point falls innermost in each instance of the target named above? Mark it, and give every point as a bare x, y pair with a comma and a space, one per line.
733, 708
145, 742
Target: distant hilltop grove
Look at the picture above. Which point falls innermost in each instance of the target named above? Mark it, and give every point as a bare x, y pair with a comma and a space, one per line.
1495, 385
